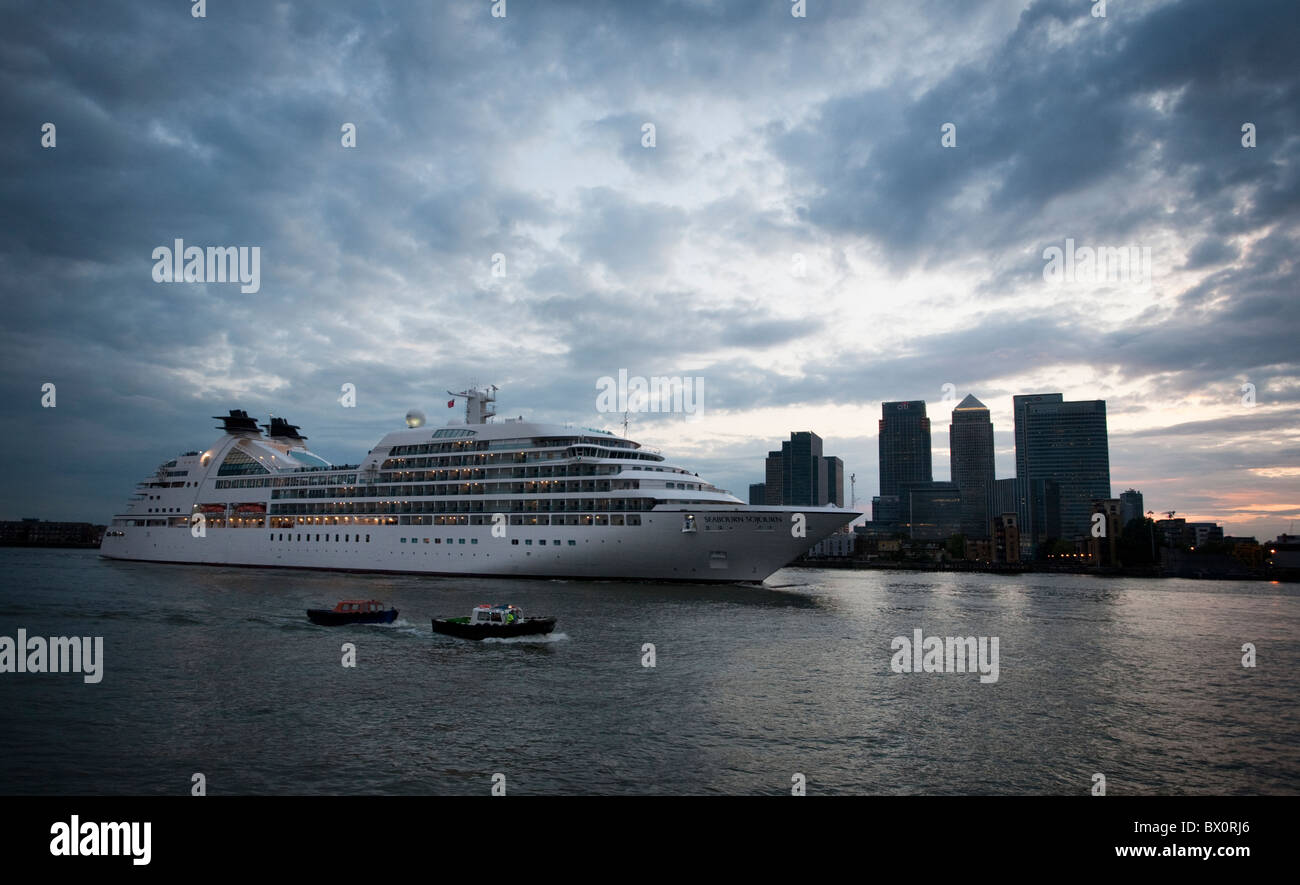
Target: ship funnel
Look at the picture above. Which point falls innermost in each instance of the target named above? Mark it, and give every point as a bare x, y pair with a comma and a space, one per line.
238, 421
282, 429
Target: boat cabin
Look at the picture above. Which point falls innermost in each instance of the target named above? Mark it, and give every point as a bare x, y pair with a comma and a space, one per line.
496, 614
359, 605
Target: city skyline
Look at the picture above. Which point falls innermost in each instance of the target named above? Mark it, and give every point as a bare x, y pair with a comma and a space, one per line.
866, 468
811, 229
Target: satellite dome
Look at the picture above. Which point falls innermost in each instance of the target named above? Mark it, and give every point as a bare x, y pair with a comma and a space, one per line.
415, 418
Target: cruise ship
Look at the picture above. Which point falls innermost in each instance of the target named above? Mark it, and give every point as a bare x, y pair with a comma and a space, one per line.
488, 497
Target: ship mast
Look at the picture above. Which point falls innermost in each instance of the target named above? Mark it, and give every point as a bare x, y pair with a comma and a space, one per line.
480, 404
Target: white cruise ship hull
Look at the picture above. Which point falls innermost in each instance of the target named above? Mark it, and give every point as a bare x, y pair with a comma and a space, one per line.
731, 545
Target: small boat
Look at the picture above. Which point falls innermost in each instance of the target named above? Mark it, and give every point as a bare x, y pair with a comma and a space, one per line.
493, 620
353, 611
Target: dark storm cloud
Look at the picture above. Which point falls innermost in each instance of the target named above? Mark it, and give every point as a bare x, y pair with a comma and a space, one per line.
1048, 116
376, 261
1248, 422
1047, 119
1210, 252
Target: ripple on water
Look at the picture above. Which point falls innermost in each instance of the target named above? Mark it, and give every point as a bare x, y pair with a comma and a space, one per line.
220, 670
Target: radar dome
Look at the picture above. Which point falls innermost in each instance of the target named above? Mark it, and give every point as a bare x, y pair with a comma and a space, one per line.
415, 418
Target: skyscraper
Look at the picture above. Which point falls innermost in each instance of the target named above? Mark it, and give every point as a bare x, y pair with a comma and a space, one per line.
757, 493
772, 479
834, 472
904, 445
802, 480
1130, 507
1065, 442
1020, 404
1043, 510
1011, 496
970, 445
799, 475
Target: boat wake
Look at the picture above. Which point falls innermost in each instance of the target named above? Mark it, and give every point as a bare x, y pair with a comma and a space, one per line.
512, 640
405, 627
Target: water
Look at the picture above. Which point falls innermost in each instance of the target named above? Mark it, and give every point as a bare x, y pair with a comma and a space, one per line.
217, 671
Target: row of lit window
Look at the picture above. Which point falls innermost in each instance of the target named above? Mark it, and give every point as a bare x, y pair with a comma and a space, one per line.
398, 466
520, 443
283, 481
516, 458
579, 472
347, 539
542, 505
543, 487
573, 519
529, 519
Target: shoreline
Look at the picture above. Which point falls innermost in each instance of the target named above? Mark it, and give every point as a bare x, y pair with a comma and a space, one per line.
1035, 569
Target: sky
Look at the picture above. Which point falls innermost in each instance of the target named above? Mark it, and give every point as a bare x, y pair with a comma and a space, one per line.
837, 209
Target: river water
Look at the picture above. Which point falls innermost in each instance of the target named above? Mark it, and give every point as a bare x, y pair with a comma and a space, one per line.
217, 671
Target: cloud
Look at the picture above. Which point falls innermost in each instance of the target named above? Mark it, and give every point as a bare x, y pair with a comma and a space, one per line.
918, 265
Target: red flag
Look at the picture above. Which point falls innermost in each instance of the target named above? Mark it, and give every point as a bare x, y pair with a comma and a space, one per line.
451, 403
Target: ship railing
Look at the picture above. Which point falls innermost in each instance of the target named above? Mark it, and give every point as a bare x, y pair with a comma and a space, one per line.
322, 469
